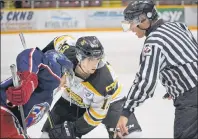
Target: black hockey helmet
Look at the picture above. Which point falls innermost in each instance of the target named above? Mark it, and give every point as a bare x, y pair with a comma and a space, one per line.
137, 8
89, 46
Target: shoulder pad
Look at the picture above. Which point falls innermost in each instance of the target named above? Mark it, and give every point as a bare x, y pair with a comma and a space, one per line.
101, 81
64, 40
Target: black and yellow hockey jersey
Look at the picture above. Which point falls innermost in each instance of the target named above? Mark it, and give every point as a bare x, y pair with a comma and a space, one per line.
96, 93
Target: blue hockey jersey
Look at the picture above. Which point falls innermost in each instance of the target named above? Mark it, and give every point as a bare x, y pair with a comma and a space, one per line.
49, 75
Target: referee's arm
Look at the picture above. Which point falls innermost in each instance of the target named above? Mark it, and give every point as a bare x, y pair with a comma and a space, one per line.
146, 79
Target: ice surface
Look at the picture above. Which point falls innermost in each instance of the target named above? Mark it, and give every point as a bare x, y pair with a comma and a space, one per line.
156, 115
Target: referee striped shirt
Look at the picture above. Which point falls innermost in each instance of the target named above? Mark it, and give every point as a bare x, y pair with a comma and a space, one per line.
170, 54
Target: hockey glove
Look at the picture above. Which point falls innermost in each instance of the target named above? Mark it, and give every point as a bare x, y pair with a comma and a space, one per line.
63, 131
20, 95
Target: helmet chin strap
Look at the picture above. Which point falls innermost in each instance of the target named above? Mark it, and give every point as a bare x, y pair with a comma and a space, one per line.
82, 68
81, 73
145, 29
79, 60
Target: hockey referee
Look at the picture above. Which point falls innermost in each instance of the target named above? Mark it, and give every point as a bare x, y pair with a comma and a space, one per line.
169, 53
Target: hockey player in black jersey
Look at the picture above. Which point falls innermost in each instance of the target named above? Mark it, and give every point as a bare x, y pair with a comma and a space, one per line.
92, 97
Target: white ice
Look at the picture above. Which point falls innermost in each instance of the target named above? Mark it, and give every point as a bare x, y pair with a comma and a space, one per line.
156, 116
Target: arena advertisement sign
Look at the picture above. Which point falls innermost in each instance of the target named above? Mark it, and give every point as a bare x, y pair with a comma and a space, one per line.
171, 14
45, 20
111, 18
18, 20
108, 18
192, 19
24, 20
63, 19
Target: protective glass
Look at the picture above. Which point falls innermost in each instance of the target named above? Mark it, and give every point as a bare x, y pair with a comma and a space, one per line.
127, 24
94, 54
97, 54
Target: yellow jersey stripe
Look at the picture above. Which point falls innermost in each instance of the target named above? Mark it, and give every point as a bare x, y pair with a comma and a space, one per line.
95, 114
118, 91
109, 67
90, 121
89, 86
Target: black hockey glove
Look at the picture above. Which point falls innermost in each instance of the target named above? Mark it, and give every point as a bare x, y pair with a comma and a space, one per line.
63, 131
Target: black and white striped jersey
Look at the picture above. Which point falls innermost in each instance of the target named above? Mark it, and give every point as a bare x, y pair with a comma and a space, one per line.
170, 54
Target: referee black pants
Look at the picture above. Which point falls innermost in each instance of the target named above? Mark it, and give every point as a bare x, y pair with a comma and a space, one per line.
185, 124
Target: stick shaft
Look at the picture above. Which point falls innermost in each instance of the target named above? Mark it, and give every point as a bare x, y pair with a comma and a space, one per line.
16, 84
23, 40
50, 118
14, 75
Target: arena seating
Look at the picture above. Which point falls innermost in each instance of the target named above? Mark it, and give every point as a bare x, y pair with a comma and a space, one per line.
81, 3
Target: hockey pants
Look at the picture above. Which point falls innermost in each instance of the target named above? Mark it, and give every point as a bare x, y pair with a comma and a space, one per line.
10, 126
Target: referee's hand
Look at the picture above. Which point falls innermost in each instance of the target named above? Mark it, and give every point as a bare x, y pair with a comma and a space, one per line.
167, 96
121, 128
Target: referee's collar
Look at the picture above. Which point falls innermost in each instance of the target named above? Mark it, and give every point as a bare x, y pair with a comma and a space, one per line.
154, 26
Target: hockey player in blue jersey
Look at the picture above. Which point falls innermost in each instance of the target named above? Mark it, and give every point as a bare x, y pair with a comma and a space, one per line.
39, 73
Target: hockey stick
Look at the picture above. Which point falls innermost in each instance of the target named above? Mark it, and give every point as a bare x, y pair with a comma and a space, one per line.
49, 117
16, 84
22, 40
49, 112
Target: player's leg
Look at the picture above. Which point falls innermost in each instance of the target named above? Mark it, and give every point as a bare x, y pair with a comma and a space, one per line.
185, 125
61, 112
10, 126
113, 116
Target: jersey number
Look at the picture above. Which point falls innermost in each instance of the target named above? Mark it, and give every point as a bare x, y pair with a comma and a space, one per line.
63, 48
104, 106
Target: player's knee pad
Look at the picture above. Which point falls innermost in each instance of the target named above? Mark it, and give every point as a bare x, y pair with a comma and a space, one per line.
135, 134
